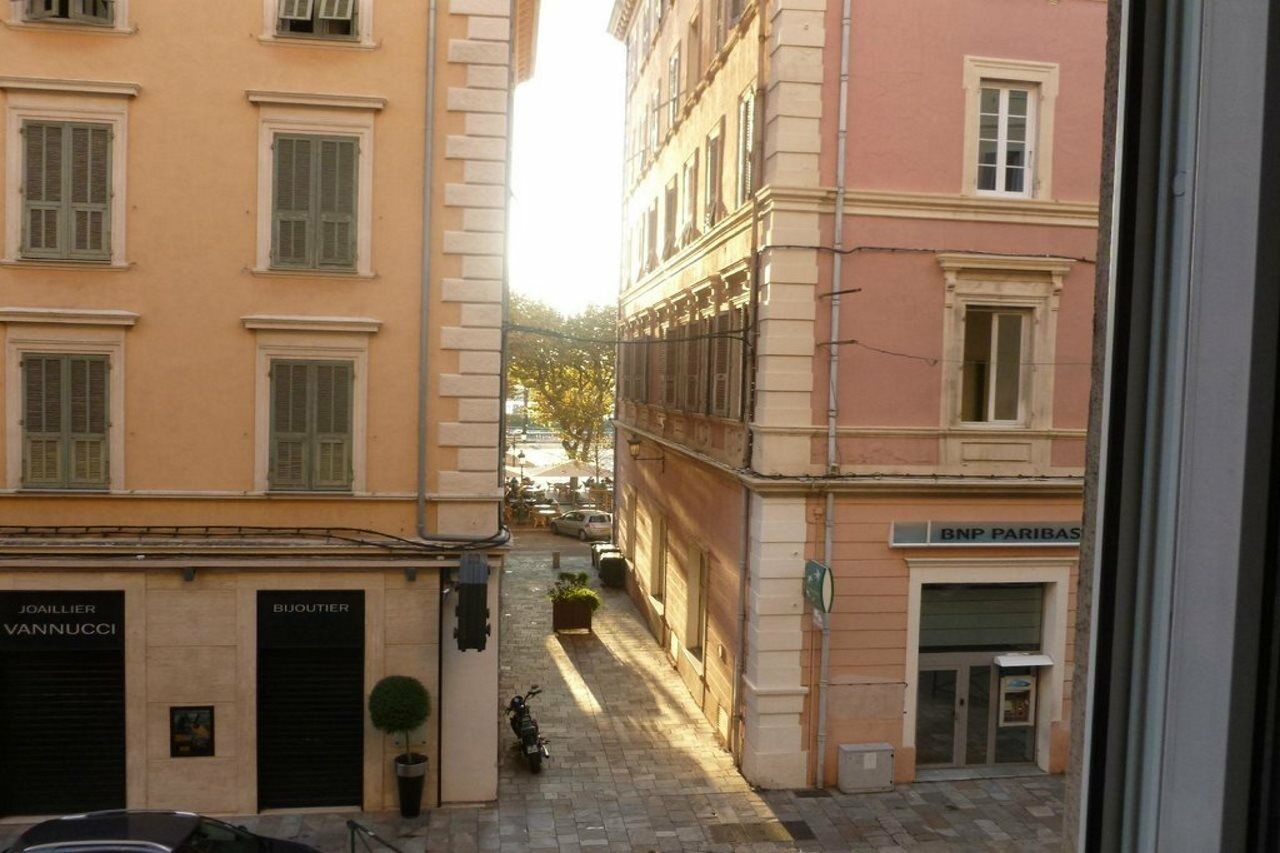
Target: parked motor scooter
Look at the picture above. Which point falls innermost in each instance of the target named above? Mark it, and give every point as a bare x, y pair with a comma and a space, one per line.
525, 726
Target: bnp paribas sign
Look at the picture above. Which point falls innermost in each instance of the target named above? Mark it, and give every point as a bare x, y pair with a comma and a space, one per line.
1016, 534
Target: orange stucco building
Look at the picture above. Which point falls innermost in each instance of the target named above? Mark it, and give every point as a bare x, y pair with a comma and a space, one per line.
856, 307
251, 290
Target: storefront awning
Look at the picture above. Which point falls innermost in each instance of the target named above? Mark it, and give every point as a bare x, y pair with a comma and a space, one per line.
1023, 659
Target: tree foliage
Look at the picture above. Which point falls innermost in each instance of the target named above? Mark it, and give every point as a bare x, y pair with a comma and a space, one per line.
570, 379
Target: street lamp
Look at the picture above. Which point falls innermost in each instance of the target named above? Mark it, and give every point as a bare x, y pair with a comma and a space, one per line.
633, 448
520, 459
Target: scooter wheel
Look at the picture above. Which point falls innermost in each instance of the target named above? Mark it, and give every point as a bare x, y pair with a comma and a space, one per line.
535, 762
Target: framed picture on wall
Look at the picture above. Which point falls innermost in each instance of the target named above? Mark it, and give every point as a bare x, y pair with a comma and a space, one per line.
191, 731
1017, 700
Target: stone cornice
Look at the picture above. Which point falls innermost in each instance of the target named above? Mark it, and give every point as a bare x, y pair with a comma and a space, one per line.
315, 99
620, 18
298, 323
933, 206
70, 86
960, 261
69, 316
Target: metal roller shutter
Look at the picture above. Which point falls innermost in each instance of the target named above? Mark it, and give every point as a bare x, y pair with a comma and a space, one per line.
62, 711
310, 699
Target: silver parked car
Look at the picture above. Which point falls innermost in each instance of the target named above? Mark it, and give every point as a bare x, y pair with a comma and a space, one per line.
584, 523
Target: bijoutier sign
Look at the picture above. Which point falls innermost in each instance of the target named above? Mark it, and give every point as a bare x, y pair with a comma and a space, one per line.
61, 620
310, 619
916, 534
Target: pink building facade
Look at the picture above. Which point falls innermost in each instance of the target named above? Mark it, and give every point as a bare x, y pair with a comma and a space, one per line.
859, 334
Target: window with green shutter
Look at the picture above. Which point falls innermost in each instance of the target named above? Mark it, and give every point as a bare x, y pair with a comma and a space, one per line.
311, 413
314, 202
78, 11
317, 18
64, 421
66, 191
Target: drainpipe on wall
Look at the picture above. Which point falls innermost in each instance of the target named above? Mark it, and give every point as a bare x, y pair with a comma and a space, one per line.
501, 534
748, 387
833, 375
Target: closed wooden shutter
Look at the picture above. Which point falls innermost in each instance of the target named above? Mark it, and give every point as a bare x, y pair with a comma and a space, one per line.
42, 190
66, 191
737, 359
90, 190
292, 206
746, 147
720, 365
65, 421
333, 426
289, 428
87, 433
311, 415
42, 421
695, 368
666, 368
337, 207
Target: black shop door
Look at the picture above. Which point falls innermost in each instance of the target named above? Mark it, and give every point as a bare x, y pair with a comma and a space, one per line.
310, 699
62, 732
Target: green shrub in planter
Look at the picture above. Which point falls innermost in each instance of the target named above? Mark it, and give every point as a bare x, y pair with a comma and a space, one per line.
572, 602
398, 705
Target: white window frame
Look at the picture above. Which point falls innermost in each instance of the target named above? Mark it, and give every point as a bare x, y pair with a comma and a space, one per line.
66, 106
284, 119
1004, 91
120, 26
1042, 79
363, 37
71, 334
315, 343
1004, 283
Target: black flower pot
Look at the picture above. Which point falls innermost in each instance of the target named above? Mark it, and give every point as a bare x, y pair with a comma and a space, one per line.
411, 775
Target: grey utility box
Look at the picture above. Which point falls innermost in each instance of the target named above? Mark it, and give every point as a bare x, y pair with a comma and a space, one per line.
865, 767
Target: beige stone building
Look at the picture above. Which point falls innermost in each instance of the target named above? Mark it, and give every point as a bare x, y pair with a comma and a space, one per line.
251, 291
856, 320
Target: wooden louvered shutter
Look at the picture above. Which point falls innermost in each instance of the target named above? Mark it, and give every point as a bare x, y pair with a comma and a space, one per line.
720, 366
90, 191
289, 427
337, 203
93, 11
42, 190
746, 147
666, 368
295, 10
332, 455
695, 370
38, 9
737, 353
292, 238
87, 430
336, 10
42, 421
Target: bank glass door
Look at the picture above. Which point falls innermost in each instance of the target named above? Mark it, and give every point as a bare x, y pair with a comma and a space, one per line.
963, 628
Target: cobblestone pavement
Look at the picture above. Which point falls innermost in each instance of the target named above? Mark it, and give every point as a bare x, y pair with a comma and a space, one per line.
634, 766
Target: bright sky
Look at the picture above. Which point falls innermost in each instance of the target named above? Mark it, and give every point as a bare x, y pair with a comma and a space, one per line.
566, 172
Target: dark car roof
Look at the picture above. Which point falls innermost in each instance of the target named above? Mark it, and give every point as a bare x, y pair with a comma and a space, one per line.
168, 829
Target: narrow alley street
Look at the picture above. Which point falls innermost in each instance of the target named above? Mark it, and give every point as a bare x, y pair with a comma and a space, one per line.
634, 765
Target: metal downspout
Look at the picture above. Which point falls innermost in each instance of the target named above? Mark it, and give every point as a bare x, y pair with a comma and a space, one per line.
501, 534
748, 389
833, 375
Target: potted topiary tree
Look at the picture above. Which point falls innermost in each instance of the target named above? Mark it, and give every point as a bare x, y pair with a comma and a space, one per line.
572, 602
398, 705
